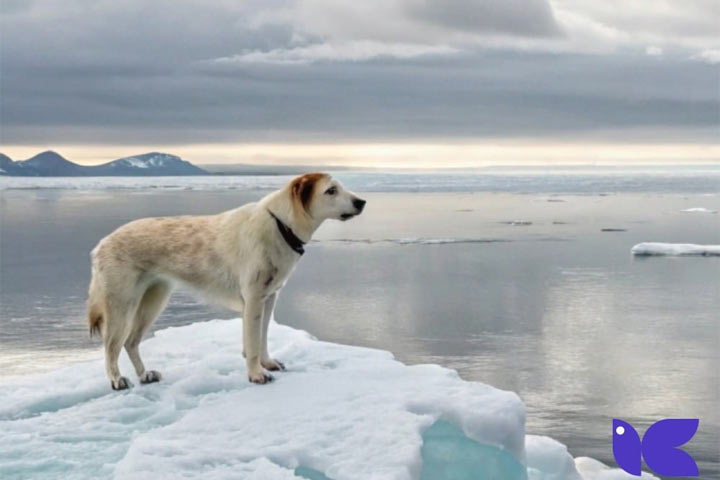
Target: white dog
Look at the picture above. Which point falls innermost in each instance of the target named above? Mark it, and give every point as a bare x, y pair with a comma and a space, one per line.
239, 258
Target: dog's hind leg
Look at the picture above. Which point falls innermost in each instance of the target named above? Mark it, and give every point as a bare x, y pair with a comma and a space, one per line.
152, 304
115, 331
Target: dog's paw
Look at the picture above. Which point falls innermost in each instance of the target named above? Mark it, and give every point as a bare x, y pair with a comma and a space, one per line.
274, 365
261, 378
150, 376
121, 383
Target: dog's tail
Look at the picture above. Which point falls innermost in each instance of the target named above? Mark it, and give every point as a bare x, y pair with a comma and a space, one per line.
95, 306
95, 318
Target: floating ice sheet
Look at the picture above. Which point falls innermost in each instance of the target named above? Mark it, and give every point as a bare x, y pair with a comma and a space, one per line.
338, 413
651, 248
698, 210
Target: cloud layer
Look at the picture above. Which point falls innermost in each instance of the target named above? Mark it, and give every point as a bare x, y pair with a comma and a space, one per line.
321, 70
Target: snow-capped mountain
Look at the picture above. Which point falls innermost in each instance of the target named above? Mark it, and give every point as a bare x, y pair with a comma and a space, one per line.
51, 164
153, 163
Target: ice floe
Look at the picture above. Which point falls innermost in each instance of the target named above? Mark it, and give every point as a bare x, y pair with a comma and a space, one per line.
698, 210
339, 413
650, 248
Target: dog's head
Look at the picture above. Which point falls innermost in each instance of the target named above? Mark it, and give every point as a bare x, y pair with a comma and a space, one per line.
323, 197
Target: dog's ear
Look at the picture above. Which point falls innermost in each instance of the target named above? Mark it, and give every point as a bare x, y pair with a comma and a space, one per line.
302, 188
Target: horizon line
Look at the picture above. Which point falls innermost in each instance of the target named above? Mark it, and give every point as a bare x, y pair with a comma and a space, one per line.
415, 155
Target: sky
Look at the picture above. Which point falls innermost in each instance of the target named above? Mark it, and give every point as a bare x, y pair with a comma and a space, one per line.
376, 83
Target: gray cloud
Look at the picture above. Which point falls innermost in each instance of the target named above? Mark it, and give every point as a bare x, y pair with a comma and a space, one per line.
532, 18
675, 21
139, 72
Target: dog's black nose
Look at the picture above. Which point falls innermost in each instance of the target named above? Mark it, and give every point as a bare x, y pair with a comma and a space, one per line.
359, 204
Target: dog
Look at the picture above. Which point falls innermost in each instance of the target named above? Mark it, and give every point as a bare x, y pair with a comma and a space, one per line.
240, 259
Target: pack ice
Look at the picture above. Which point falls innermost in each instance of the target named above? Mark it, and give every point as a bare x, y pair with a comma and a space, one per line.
654, 248
339, 413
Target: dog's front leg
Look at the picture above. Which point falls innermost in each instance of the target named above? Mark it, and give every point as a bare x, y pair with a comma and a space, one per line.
265, 359
252, 330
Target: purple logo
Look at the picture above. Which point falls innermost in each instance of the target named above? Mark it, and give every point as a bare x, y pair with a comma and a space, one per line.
659, 447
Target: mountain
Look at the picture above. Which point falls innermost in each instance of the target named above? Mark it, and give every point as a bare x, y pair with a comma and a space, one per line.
153, 163
8, 167
51, 164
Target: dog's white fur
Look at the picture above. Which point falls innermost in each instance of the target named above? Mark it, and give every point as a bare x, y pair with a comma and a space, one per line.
237, 258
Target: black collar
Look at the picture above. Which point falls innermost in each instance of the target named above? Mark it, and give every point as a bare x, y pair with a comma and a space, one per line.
290, 238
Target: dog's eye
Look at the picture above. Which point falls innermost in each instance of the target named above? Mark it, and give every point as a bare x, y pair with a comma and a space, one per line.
331, 191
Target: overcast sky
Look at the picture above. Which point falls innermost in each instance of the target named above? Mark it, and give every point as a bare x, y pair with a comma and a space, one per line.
244, 79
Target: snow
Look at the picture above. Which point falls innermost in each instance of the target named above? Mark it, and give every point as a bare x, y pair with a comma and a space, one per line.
136, 162
698, 210
646, 249
150, 160
548, 459
339, 413
591, 469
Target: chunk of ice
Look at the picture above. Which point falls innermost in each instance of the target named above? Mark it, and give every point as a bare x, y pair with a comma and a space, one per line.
448, 453
591, 469
650, 248
339, 413
698, 210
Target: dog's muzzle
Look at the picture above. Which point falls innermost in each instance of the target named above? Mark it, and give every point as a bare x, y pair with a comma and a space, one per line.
359, 204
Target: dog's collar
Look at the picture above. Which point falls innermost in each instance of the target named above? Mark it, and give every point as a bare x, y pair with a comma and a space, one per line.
288, 235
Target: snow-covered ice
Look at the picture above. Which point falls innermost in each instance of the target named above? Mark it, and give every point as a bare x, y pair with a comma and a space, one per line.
338, 413
651, 248
698, 210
